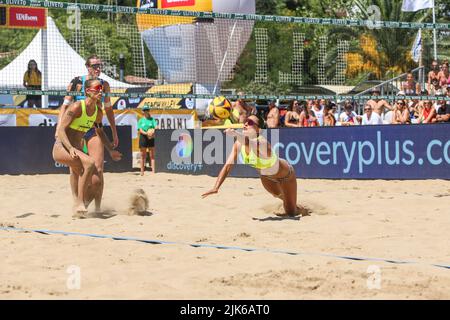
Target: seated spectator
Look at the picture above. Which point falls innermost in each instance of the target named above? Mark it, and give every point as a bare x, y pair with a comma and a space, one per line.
370, 117
411, 87
273, 117
413, 111
428, 113
307, 117
32, 80
292, 118
348, 117
328, 117
401, 113
318, 111
435, 88
443, 113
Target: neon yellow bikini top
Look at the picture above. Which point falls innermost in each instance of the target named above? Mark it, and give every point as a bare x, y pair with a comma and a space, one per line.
257, 162
85, 122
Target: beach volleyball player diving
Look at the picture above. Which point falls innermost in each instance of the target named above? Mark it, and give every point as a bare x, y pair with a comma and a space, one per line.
80, 117
277, 175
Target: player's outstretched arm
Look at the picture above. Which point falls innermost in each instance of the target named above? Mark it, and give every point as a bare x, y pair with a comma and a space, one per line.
232, 158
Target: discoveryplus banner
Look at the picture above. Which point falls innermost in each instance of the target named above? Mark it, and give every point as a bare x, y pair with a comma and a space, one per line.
369, 152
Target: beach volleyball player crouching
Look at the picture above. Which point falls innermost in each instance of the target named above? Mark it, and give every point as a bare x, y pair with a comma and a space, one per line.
277, 175
80, 117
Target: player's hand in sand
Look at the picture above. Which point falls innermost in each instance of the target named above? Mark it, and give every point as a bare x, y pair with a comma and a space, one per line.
115, 155
73, 153
210, 192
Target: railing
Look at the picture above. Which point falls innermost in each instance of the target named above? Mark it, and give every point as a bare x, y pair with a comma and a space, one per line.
392, 86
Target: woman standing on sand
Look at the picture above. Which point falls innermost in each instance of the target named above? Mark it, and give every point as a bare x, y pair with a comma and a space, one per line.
79, 118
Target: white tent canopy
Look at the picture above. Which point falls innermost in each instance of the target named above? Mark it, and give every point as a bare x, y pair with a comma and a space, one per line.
63, 63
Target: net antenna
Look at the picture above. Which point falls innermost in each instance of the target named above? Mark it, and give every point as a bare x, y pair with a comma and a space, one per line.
224, 58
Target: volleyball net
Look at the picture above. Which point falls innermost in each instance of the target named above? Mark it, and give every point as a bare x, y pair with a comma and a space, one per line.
181, 54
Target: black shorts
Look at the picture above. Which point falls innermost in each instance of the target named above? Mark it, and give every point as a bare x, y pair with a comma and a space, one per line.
145, 142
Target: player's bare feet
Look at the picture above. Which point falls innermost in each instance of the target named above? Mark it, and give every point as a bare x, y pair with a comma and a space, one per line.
80, 211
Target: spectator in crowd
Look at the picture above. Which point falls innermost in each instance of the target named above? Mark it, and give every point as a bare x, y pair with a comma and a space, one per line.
328, 116
378, 106
32, 80
334, 110
273, 117
433, 75
292, 117
239, 111
307, 117
318, 111
401, 113
348, 117
370, 117
428, 113
411, 87
444, 75
414, 111
443, 113
146, 127
435, 88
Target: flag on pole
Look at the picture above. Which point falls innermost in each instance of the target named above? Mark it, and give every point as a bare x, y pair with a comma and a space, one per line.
416, 5
417, 47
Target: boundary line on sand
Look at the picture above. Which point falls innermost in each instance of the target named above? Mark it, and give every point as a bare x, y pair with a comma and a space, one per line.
224, 247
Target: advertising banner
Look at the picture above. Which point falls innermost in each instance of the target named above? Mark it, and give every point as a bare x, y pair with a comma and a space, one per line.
28, 150
369, 152
166, 119
25, 17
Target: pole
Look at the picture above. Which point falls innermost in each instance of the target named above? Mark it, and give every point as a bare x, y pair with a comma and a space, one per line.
121, 66
434, 30
44, 67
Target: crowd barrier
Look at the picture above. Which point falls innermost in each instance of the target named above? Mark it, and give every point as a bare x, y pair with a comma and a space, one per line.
28, 150
363, 152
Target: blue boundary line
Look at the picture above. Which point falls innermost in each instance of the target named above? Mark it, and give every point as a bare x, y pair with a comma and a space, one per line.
353, 258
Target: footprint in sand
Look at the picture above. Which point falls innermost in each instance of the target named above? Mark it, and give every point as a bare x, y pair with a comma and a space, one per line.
25, 215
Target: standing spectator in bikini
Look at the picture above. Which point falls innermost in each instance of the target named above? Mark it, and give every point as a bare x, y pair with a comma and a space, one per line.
379, 106
428, 113
32, 80
307, 117
401, 113
292, 118
444, 75
273, 117
411, 87
370, 117
433, 75
328, 117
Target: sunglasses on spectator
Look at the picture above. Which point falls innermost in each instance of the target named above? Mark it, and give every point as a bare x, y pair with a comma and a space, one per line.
367, 109
96, 66
401, 103
250, 122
